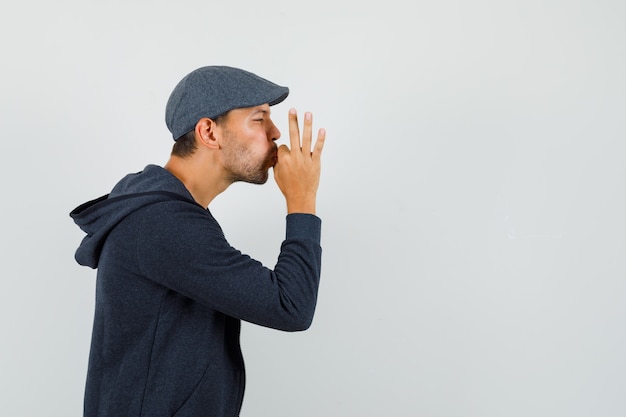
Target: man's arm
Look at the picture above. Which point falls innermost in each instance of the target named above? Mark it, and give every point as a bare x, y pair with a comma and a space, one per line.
181, 247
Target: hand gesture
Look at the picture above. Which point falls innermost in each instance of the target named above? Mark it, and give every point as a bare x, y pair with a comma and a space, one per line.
297, 171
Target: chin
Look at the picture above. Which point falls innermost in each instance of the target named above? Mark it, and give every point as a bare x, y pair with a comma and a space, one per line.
259, 178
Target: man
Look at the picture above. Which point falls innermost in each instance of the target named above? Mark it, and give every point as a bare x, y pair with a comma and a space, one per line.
170, 290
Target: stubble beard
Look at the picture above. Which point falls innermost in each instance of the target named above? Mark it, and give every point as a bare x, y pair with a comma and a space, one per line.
245, 166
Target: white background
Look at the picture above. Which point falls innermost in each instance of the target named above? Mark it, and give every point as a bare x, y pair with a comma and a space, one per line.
472, 195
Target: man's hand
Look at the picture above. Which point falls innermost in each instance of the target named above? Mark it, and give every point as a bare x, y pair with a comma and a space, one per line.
297, 171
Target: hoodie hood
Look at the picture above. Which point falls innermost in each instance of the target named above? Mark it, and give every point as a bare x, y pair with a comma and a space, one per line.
98, 217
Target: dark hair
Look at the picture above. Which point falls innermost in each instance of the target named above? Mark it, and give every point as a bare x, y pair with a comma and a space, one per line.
185, 146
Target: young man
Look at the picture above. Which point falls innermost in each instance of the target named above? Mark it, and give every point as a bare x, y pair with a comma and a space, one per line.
170, 290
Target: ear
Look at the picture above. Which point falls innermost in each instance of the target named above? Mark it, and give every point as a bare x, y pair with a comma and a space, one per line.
205, 133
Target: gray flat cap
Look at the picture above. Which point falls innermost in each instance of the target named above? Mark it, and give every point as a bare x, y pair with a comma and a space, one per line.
214, 90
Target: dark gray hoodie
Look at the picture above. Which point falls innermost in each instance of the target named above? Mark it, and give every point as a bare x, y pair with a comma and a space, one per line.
170, 295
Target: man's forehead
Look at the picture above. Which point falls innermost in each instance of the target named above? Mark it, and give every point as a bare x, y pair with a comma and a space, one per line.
263, 108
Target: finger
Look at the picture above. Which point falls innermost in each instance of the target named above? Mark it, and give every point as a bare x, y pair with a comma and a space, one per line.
319, 144
294, 131
307, 133
282, 151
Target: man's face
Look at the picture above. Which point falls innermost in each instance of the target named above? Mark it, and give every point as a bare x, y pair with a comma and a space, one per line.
248, 146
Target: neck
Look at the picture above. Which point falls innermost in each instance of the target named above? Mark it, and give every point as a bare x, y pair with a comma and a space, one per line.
200, 177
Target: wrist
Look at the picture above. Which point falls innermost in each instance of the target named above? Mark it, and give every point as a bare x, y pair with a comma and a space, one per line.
303, 206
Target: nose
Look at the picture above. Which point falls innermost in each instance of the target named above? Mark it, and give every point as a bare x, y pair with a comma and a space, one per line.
273, 132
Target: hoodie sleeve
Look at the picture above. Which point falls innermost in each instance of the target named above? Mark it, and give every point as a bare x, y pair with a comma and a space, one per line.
181, 247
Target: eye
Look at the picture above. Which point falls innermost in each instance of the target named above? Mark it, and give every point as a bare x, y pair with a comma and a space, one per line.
258, 120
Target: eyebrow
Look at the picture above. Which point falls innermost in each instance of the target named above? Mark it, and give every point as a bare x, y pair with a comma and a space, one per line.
261, 111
